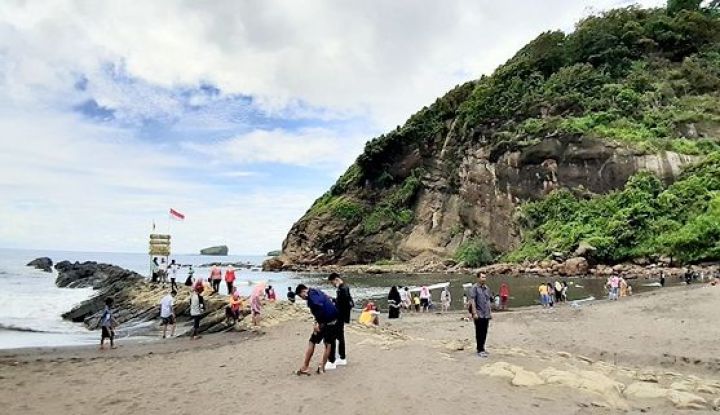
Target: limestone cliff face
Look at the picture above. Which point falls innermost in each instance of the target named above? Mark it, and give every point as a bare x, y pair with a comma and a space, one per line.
489, 189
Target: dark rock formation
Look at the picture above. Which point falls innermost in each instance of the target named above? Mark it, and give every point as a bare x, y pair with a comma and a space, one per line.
43, 263
221, 250
136, 300
92, 274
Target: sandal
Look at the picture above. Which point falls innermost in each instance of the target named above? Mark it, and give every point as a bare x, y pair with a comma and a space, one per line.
303, 373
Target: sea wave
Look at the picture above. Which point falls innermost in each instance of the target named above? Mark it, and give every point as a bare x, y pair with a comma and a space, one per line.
7, 327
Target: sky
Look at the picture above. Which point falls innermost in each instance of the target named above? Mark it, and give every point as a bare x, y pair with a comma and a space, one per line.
239, 114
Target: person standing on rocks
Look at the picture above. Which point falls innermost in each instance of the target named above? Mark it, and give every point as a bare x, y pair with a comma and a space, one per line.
230, 279
167, 313
215, 278
174, 267
189, 280
162, 271
325, 328
196, 310
480, 305
107, 324
155, 270
344, 304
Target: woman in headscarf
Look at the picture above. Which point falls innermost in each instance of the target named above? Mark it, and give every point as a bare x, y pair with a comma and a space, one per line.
369, 315
256, 304
232, 310
394, 303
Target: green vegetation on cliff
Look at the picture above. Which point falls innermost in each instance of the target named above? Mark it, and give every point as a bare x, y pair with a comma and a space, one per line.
644, 219
644, 81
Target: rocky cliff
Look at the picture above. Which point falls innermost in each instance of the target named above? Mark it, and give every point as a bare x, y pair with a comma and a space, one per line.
628, 91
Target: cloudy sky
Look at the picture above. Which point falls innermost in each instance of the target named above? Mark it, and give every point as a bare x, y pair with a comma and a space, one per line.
236, 113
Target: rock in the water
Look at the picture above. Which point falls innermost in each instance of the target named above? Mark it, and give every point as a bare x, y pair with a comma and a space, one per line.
43, 263
274, 253
273, 265
91, 274
221, 250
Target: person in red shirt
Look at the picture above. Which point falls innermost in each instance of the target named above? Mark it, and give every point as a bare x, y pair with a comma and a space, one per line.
504, 295
215, 278
230, 279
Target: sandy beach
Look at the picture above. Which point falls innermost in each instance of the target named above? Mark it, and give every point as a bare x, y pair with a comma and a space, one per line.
653, 353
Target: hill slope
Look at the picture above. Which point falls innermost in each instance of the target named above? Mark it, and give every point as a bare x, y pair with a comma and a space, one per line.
573, 116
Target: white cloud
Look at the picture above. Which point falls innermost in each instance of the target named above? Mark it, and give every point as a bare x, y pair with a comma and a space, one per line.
304, 147
382, 58
68, 184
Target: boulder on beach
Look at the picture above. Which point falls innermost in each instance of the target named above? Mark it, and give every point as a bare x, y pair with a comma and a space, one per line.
273, 265
43, 263
220, 250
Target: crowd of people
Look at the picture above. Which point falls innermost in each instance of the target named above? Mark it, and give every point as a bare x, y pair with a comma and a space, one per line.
331, 314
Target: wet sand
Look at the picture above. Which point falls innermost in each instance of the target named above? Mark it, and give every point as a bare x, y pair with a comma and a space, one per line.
654, 353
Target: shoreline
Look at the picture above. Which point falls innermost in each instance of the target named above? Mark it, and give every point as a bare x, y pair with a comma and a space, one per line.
550, 269
143, 340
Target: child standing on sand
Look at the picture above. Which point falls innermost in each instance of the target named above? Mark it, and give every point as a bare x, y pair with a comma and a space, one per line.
107, 323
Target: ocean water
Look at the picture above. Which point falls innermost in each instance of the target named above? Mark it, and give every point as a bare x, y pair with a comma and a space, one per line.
31, 304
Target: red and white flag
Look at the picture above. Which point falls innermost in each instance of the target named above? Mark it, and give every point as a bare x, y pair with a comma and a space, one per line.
174, 214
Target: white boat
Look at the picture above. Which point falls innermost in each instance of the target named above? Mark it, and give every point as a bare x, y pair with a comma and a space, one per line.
430, 287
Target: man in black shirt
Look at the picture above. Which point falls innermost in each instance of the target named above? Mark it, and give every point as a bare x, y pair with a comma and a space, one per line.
344, 304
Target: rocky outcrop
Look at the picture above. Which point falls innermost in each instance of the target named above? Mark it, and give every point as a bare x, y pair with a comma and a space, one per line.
136, 302
42, 263
490, 184
220, 250
92, 274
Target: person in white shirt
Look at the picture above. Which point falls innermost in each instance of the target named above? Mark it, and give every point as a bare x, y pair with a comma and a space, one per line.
167, 313
163, 271
173, 268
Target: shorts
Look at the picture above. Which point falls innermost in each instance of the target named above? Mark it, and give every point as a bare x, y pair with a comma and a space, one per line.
328, 334
107, 333
168, 320
424, 302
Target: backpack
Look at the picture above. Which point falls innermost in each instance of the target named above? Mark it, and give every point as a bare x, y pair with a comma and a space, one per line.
321, 306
